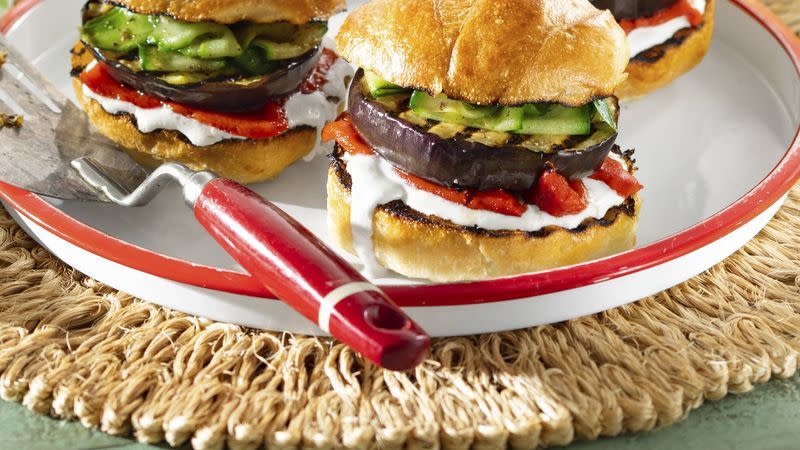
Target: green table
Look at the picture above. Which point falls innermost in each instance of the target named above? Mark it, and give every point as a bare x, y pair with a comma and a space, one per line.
768, 418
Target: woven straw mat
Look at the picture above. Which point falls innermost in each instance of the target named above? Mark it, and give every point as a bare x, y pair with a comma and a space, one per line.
75, 349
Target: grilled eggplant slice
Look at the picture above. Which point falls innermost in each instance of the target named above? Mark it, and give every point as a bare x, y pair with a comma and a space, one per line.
632, 9
457, 156
244, 94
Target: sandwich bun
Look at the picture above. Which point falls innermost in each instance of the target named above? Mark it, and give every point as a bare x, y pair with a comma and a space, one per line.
404, 239
662, 64
245, 161
490, 51
232, 11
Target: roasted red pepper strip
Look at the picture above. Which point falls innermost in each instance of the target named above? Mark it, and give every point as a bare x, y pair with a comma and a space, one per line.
346, 135
678, 9
579, 187
617, 178
554, 195
267, 122
462, 197
499, 201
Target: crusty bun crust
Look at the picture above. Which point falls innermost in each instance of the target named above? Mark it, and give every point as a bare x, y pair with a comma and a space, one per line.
247, 161
662, 64
421, 246
490, 51
232, 11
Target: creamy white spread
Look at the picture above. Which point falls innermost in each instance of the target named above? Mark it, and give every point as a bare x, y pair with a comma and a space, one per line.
375, 182
642, 38
314, 109
162, 118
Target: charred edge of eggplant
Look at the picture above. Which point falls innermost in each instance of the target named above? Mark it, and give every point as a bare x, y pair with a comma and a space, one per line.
399, 210
655, 53
456, 162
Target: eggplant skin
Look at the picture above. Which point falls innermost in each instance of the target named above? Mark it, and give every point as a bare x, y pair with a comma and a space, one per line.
458, 163
224, 96
632, 9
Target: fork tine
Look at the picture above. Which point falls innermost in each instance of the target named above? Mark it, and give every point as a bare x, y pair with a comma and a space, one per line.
32, 88
34, 96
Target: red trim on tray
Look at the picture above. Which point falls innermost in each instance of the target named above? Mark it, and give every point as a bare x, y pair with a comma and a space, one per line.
16, 13
769, 191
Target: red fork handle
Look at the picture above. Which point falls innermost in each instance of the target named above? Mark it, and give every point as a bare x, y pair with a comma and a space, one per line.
297, 267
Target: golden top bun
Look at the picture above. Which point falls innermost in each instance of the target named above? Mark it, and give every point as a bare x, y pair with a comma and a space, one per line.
490, 51
232, 11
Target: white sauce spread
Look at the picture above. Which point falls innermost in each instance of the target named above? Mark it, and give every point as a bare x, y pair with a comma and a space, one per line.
643, 38
313, 110
162, 118
375, 182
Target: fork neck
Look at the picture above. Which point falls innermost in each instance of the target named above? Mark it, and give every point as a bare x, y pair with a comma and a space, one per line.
194, 184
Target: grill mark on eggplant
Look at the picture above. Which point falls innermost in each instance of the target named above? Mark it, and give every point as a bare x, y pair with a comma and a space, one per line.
516, 139
401, 211
654, 54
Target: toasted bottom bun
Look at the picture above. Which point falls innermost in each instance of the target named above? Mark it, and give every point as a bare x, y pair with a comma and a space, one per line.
662, 64
246, 161
421, 246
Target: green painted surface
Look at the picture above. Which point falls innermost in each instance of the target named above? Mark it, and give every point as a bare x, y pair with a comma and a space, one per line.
767, 419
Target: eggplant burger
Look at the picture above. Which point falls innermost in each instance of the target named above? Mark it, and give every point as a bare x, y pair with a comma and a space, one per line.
239, 87
667, 38
479, 138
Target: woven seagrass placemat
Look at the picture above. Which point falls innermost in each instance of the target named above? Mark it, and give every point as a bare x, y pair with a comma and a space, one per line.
75, 349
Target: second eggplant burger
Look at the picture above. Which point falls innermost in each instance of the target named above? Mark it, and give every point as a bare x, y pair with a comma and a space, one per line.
240, 87
480, 136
